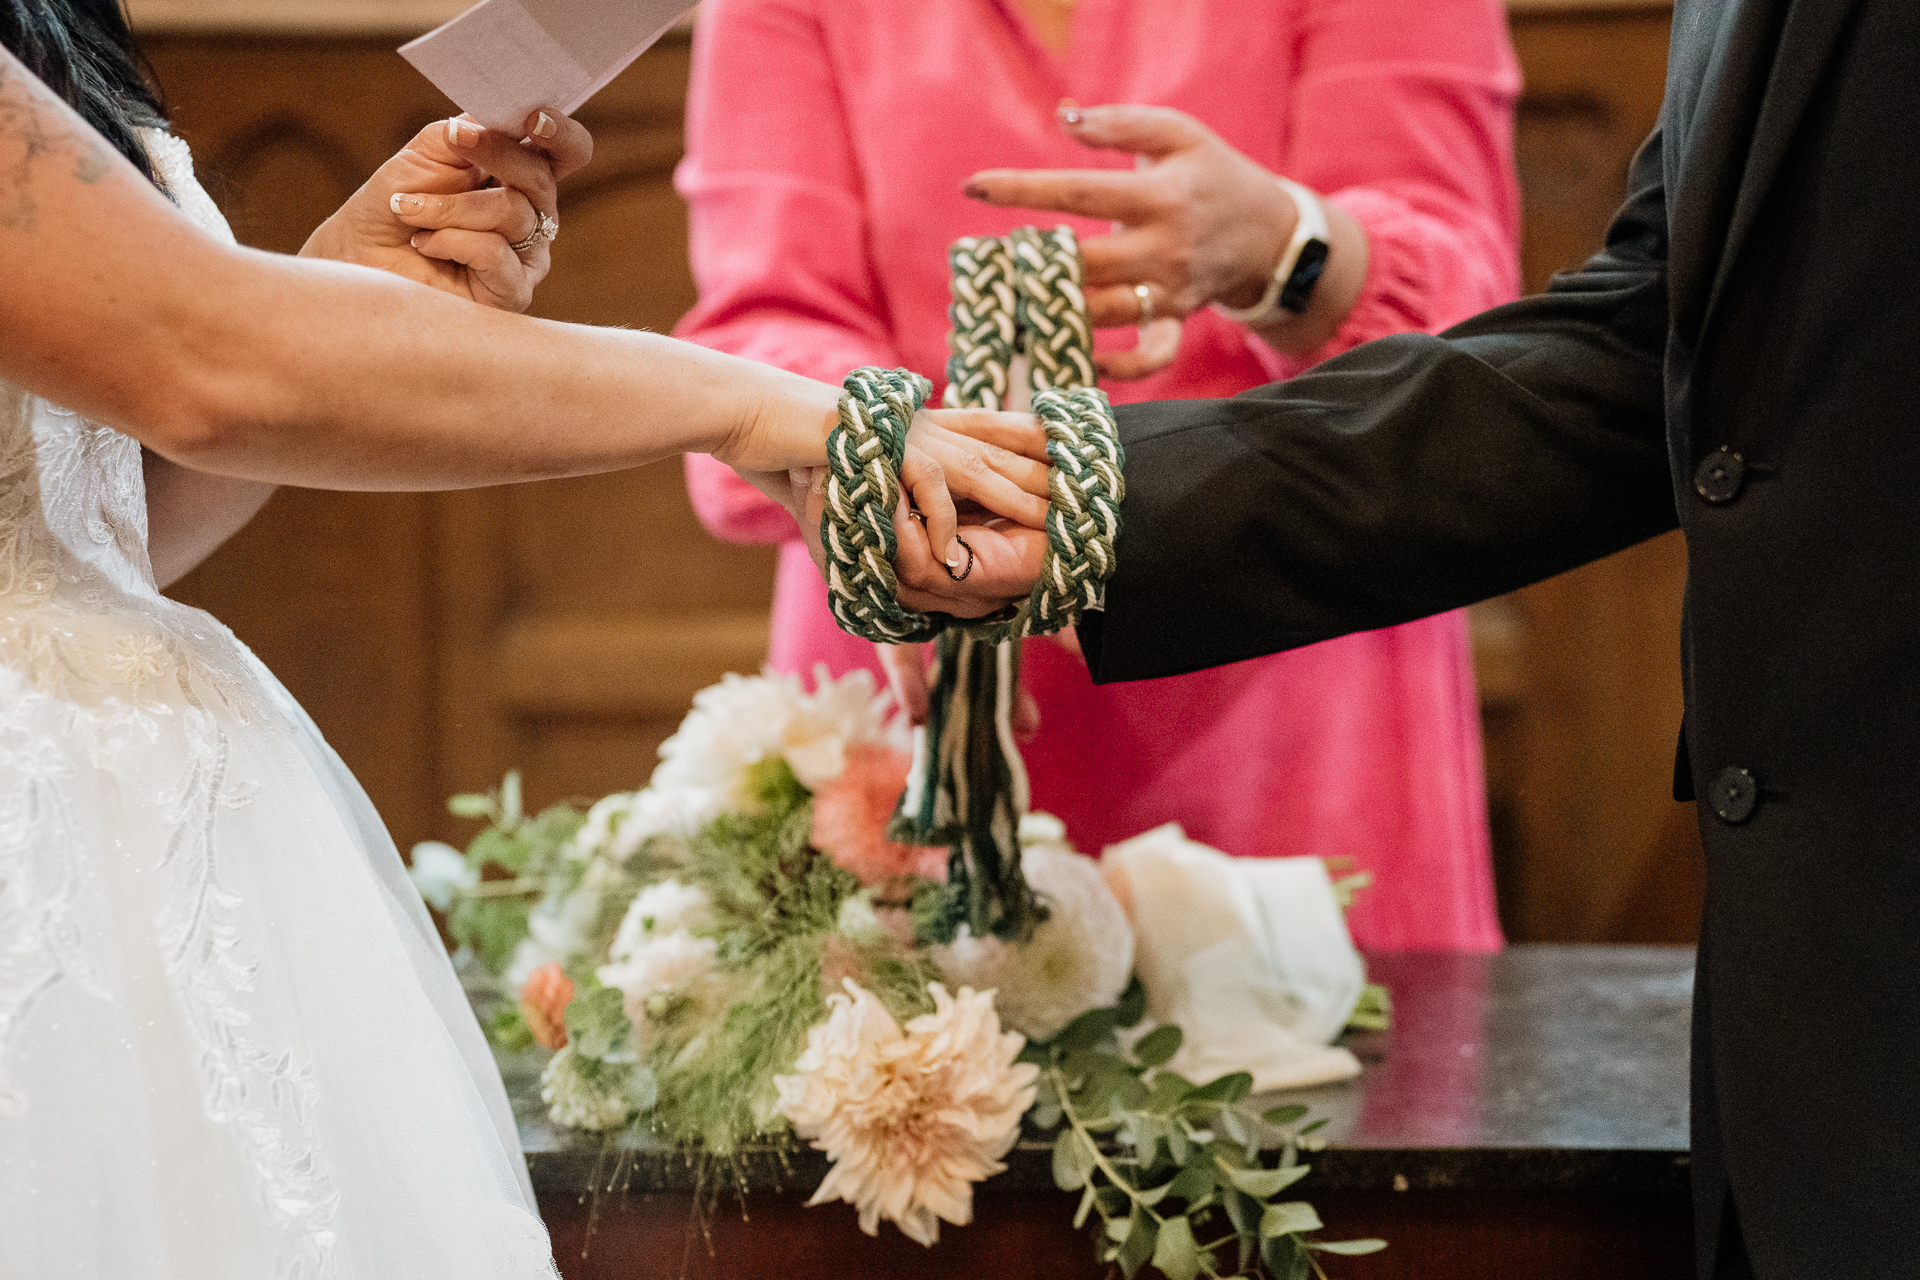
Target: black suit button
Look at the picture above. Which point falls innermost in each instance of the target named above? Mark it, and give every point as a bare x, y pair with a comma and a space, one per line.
1720, 475
1733, 794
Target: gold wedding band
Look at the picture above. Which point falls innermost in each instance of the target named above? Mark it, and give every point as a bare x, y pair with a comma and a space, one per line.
1145, 295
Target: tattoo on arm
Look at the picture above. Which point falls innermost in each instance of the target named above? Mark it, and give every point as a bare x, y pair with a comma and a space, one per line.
32, 127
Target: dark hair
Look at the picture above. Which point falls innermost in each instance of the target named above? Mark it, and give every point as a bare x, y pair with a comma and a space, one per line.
83, 50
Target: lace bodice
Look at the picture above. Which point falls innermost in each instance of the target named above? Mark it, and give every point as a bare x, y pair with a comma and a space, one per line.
80, 616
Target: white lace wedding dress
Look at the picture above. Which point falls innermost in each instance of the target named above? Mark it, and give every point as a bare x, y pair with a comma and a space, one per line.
231, 1045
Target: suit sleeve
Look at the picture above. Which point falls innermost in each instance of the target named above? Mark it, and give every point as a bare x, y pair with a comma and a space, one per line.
1406, 477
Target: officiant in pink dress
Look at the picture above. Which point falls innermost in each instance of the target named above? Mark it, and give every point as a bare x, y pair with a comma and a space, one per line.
830, 147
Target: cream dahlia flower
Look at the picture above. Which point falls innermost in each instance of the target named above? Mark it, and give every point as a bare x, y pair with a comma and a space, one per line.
1078, 959
911, 1119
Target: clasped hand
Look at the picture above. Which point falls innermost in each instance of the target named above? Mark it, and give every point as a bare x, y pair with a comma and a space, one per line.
448, 210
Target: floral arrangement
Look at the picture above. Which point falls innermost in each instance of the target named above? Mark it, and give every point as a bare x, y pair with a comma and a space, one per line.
739, 953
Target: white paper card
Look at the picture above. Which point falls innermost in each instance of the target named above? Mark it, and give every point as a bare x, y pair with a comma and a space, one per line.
504, 59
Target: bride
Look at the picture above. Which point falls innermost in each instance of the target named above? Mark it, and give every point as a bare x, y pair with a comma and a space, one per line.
231, 1047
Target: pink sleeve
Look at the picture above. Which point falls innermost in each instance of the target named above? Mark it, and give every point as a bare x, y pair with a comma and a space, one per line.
777, 224
1402, 115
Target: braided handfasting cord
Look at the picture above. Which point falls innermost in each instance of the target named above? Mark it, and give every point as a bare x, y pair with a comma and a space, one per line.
864, 454
1017, 295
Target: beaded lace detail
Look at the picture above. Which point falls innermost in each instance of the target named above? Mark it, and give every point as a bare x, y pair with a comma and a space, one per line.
96, 664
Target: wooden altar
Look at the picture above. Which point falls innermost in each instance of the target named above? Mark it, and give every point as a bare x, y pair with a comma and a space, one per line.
1525, 1117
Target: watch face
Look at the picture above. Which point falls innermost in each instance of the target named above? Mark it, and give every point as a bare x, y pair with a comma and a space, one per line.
1306, 274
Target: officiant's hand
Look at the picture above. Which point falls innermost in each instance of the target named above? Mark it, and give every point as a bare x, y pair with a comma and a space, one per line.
448, 210
1195, 222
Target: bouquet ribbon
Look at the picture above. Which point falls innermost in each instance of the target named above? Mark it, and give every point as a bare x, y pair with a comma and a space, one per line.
1013, 296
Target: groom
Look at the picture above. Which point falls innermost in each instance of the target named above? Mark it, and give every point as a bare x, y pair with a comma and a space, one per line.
1742, 360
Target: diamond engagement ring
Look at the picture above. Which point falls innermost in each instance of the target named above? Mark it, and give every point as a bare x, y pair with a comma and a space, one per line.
545, 233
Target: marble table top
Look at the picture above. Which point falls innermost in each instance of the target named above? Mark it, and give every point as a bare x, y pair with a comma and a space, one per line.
1539, 1068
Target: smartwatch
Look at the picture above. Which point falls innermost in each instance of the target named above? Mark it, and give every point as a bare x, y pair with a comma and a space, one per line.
1300, 266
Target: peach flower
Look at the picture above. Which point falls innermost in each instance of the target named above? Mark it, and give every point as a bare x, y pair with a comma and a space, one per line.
850, 816
543, 1000
911, 1117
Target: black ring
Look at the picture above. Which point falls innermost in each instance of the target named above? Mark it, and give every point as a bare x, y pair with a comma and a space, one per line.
962, 575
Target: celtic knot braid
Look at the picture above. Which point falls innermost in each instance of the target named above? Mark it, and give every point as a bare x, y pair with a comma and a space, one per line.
864, 454
1053, 312
1085, 490
982, 316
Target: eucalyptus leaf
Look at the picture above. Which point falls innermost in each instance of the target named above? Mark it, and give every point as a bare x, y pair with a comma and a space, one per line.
1174, 1252
1072, 1161
1236, 1127
1290, 1217
1045, 1114
1154, 1195
1086, 1208
1118, 1229
1177, 1145
1348, 1248
470, 806
1228, 1088
1285, 1258
1167, 1092
1264, 1184
1289, 1114
1132, 1006
1158, 1046
1140, 1242
1085, 1031
1191, 1183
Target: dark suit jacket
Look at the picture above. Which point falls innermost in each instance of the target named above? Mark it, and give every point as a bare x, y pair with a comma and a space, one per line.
1743, 359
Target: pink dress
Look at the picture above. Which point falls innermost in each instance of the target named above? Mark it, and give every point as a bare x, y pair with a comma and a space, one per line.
827, 143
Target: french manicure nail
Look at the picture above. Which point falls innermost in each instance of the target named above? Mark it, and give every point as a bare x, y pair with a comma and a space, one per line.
462, 133
406, 204
956, 554
1069, 111
544, 127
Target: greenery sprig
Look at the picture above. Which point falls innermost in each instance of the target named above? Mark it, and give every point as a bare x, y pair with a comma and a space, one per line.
1172, 1169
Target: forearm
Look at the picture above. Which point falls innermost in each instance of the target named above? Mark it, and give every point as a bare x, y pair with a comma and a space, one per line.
191, 513
285, 371
246, 376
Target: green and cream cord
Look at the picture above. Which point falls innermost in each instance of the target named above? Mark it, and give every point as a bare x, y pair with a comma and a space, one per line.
1013, 296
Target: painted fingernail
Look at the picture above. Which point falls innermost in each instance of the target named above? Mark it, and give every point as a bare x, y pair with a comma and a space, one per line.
956, 554
462, 133
974, 191
405, 204
544, 127
1069, 111
416, 238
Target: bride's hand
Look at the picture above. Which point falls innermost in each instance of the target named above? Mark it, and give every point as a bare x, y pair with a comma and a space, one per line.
448, 208
958, 463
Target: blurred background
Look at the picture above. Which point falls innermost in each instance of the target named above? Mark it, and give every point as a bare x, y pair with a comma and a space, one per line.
563, 627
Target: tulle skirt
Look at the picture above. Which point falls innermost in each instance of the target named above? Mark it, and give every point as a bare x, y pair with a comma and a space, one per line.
231, 1044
